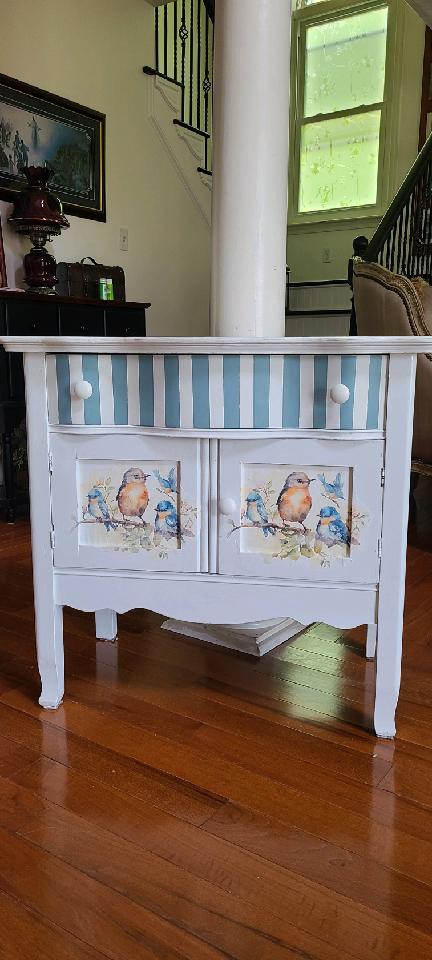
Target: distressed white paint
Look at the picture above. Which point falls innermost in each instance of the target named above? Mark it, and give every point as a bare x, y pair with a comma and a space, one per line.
48, 612
250, 119
106, 625
224, 345
210, 582
391, 595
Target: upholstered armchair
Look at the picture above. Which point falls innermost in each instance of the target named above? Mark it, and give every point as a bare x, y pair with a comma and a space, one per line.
387, 304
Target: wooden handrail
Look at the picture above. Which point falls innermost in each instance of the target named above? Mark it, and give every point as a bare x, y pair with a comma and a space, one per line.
397, 205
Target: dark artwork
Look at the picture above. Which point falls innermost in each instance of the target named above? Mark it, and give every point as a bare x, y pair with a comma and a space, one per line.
37, 128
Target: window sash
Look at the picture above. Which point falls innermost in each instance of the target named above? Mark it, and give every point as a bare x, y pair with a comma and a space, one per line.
310, 16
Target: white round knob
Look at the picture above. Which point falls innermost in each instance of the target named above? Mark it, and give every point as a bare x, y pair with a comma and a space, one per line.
227, 506
340, 393
83, 390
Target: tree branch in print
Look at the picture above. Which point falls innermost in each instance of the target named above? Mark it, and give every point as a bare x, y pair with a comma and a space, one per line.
286, 531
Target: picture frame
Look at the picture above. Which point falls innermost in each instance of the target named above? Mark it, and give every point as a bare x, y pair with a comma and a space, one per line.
40, 128
3, 275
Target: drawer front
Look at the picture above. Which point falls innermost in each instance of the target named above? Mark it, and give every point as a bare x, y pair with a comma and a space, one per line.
127, 502
24, 318
307, 509
87, 320
221, 392
125, 322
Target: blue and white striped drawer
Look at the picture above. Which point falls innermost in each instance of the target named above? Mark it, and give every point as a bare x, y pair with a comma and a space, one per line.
218, 392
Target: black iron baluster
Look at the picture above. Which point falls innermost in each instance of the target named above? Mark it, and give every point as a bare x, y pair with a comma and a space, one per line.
206, 85
413, 227
428, 269
421, 229
157, 38
198, 83
393, 248
400, 235
191, 64
165, 40
175, 42
183, 32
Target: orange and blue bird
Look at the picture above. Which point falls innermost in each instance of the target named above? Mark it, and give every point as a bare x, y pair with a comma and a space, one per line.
331, 529
133, 496
294, 500
97, 508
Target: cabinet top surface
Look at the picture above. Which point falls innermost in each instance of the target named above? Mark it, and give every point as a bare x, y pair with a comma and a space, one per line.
219, 345
27, 297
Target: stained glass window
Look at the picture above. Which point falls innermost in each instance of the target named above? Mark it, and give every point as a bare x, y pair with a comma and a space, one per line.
340, 116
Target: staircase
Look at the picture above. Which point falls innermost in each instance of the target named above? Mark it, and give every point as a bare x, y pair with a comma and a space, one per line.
180, 92
403, 240
318, 308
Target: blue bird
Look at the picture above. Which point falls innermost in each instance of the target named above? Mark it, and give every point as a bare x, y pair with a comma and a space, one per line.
333, 490
170, 483
331, 529
97, 508
256, 512
167, 522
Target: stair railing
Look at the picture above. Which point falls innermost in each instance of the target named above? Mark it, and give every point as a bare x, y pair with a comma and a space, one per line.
403, 240
184, 55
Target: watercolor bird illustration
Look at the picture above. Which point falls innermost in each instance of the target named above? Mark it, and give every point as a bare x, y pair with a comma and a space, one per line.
334, 490
170, 483
331, 529
167, 522
133, 496
257, 514
97, 508
294, 501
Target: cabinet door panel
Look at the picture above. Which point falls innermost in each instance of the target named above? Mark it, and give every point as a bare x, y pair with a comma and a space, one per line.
306, 509
126, 502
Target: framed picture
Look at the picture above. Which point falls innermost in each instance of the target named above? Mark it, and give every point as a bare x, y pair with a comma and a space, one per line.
38, 128
3, 277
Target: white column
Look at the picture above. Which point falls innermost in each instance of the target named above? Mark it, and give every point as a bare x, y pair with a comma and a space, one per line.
251, 76
250, 167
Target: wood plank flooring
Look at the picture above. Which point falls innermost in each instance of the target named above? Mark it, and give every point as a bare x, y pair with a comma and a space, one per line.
187, 802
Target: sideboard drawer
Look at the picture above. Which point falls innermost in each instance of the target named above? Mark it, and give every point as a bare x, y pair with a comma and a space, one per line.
228, 392
306, 509
127, 502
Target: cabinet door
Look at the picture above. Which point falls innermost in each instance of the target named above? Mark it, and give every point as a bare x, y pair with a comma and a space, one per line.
127, 501
307, 509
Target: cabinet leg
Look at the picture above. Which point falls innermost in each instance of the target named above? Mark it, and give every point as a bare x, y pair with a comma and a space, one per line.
106, 625
388, 671
49, 642
371, 641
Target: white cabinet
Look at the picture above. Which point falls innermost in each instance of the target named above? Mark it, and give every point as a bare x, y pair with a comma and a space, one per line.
301, 509
221, 482
128, 502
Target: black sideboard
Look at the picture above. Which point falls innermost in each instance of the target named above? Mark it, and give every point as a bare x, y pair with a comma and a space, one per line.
29, 314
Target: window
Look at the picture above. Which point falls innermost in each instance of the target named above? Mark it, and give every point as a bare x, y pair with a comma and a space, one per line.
339, 108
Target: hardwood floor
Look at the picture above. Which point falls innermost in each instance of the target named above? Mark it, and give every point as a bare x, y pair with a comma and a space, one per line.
186, 802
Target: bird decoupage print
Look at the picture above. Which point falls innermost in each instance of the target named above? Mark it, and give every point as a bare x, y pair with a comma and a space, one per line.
292, 511
133, 506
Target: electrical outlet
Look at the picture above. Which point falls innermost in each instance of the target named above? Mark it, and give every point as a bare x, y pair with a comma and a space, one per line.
124, 238
326, 255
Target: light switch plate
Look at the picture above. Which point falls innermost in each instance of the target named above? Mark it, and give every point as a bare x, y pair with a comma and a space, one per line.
124, 238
